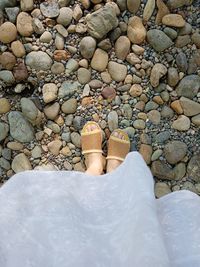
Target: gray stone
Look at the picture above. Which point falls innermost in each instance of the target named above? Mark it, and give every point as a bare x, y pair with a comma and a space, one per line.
100, 22
7, 3
6, 153
181, 62
39, 60
78, 123
178, 3
173, 77
182, 41
21, 163
162, 137
139, 124
30, 111
66, 137
127, 111
171, 33
187, 29
158, 40
167, 112
190, 108
130, 131
4, 164
162, 171
196, 120
68, 89
180, 170
69, 106
87, 47
76, 139
112, 120
188, 86
193, 168
69, 119
12, 13
151, 105
36, 152
3, 130
72, 65
7, 76
50, 9
156, 154
175, 151
20, 128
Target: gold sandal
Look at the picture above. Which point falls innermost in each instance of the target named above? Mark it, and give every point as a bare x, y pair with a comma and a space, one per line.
118, 148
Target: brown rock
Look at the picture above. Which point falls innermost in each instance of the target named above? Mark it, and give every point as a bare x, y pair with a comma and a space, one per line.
148, 10
20, 72
108, 93
196, 39
136, 31
174, 20
176, 106
4, 105
18, 49
133, 5
8, 32
122, 47
100, 60
8, 60
162, 11
146, 152
157, 72
162, 171
51, 111
24, 24
54, 147
136, 90
182, 41
190, 108
61, 55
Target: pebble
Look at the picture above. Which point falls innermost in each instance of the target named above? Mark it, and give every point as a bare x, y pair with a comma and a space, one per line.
172, 76
117, 71
190, 108
39, 60
133, 6
46, 37
136, 31
158, 40
12, 13
162, 171
156, 154
157, 72
15, 146
135, 90
68, 88
36, 152
21, 163
3, 130
57, 68
176, 106
54, 147
175, 151
196, 120
50, 9
154, 116
178, 3
25, 24
161, 189
188, 86
162, 137
139, 124
193, 168
108, 93
51, 111
122, 47
7, 60
99, 60
146, 152
20, 72
4, 105
174, 20
18, 49
69, 106
149, 9
26, 5
112, 120
84, 75
4, 164
7, 77
76, 139
87, 47
49, 92
171, 33
162, 11
182, 123
65, 16
8, 32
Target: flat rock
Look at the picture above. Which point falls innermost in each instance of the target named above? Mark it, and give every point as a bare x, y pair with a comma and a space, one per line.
175, 151
117, 71
193, 168
190, 108
158, 40
4, 128
21, 163
100, 22
188, 86
50, 8
174, 20
39, 60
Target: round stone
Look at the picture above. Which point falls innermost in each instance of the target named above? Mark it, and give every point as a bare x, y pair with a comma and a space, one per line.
8, 32
84, 75
4, 105
100, 60
50, 8
7, 60
117, 71
122, 47
182, 123
21, 163
65, 16
18, 49
38, 60
139, 124
3, 130
49, 92
25, 24
108, 93
136, 90
175, 151
69, 106
87, 47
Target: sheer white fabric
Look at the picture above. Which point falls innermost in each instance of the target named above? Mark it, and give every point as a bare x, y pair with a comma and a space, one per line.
70, 219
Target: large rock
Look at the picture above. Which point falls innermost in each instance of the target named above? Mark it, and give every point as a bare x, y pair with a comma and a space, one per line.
158, 40
193, 168
117, 71
175, 151
178, 3
162, 171
39, 60
3, 130
100, 22
188, 86
25, 24
190, 108
136, 31
100, 60
20, 128
21, 163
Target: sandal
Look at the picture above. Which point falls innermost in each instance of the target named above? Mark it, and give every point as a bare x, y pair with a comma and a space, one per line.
118, 148
91, 141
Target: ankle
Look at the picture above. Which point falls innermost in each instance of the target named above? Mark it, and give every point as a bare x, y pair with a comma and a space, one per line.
94, 170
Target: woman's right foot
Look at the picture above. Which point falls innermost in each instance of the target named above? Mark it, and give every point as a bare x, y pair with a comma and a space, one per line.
112, 164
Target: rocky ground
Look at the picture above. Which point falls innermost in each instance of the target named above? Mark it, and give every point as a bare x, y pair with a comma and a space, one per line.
130, 64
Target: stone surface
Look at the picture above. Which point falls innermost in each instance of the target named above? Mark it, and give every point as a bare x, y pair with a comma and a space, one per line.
8, 32
162, 11
182, 123
3, 130
157, 72
196, 120
148, 10
7, 60
21, 163
54, 147
18, 49
51, 111
161, 189
193, 168
39, 60
68, 88
24, 24
136, 31
99, 61
133, 5
20, 72
181, 62
190, 108
20, 128
50, 9
49, 92
158, 40
146, 152
4, 105
65, 16
30, 111
108, 93
122, 47
100, 22
87, 47
175, 151
162, 171
26, 5
112, 120
84, 75
172, 76
179, 3
174, 20
117, 71
188, 86
69, 106
7, 77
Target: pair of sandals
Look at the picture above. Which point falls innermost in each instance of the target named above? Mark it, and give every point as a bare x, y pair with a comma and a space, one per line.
92, 142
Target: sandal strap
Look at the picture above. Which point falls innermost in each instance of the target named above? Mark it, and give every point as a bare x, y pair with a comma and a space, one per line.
117, 148
91, 142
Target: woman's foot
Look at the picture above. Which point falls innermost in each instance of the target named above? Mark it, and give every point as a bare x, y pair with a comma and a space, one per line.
112, 164
94, 161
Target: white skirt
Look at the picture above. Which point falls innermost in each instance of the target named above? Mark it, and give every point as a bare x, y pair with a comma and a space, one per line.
71, 219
